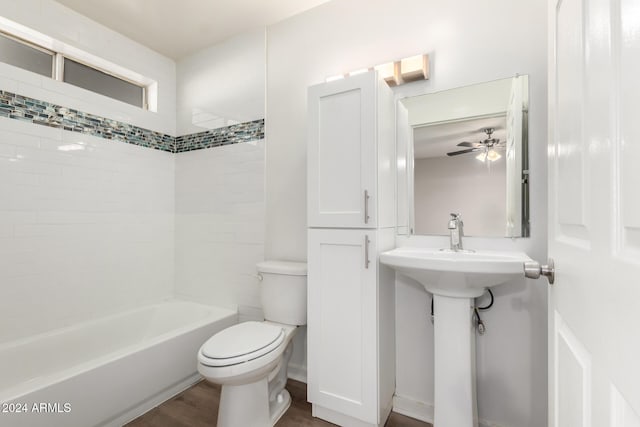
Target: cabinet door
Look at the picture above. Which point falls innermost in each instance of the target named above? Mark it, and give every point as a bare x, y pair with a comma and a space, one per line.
342, 330
342, 153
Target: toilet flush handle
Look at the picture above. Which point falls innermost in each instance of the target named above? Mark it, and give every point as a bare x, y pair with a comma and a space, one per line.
259, 277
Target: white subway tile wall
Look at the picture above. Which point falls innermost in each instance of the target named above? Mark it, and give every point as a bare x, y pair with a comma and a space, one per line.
86, 227
220, 224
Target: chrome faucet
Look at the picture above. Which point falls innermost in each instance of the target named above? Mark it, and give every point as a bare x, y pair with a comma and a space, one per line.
456, 232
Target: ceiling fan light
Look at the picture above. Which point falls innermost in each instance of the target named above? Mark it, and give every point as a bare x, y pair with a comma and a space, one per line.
493, 155
482, 156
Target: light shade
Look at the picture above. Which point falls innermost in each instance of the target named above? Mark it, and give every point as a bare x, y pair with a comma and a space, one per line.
491, 155
389, 72
414, 68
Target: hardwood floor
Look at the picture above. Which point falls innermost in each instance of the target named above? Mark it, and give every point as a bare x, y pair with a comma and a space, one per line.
198, 407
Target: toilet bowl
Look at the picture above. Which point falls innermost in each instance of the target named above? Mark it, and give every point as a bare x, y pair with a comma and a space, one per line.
249, 360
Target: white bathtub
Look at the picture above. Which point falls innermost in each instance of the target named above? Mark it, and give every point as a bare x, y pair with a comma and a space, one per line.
107, 371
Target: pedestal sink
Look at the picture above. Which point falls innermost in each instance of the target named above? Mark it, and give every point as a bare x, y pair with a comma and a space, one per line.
455, 279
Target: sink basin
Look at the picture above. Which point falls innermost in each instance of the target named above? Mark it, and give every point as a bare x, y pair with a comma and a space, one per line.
463, 274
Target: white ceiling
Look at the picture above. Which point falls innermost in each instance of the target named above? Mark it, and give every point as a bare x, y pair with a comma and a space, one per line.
176, 28
438, 140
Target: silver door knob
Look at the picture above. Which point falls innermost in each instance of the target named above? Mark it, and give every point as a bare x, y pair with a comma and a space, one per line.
533, 270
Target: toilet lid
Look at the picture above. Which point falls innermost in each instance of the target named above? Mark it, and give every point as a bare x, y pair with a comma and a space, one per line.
242, 342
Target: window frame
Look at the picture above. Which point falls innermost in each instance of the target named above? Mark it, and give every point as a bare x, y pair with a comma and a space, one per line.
57, 68
33, 46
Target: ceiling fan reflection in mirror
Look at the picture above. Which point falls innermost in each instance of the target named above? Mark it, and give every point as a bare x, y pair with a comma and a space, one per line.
487, 147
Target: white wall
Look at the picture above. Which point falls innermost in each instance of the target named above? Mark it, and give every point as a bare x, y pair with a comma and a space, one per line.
82, 233
477, 43
460, 184
220, 233
220, 225
220, 191
67, 26
222, 85
220, 213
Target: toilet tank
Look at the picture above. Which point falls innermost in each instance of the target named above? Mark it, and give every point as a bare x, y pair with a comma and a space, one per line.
283, 290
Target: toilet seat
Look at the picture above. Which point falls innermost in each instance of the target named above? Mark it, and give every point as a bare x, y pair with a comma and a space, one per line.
241, 343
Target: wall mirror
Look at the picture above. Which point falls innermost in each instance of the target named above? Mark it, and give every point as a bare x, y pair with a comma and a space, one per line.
465, 150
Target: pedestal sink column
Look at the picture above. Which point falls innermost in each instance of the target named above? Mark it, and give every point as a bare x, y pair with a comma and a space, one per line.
463, 276
455, 363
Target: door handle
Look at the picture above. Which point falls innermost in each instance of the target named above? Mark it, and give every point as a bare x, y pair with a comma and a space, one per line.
366, 251
366, 207
533, 270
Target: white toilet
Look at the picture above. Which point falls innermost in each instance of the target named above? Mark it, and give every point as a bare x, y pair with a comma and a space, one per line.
250, 359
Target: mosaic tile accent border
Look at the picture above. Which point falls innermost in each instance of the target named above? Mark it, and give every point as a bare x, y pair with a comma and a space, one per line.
44, 113
242, 132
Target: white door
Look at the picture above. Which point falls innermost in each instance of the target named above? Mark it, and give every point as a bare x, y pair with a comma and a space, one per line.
342, 345
342, 153
594, 213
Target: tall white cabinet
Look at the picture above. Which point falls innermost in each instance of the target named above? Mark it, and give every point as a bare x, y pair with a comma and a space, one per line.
351, 208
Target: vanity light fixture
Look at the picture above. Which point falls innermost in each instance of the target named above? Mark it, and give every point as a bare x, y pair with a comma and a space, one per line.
395, 73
